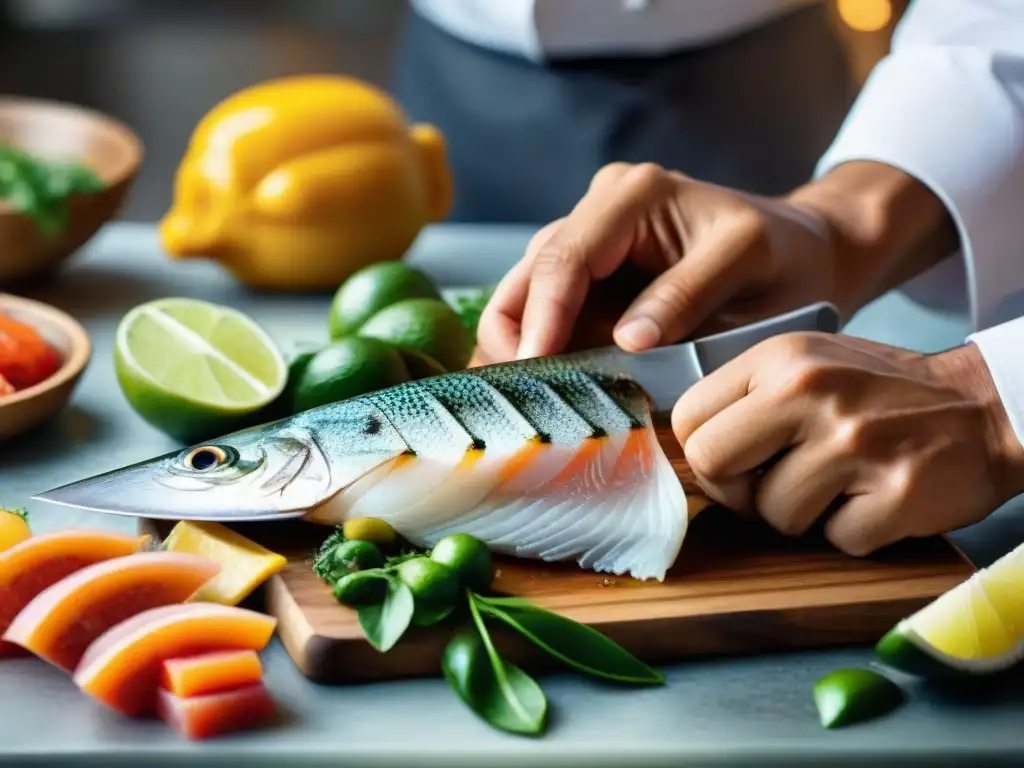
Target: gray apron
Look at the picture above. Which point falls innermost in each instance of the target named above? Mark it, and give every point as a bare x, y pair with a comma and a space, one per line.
754, 112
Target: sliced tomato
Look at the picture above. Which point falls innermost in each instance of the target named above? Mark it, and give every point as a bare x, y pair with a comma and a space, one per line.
25, 357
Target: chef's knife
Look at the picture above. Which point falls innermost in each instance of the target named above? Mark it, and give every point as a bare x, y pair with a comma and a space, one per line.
667, 372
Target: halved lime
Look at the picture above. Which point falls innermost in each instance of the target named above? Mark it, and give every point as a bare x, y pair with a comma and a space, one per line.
975, 628
196, 370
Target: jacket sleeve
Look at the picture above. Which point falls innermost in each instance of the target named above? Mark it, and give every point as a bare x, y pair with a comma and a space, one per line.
947, 107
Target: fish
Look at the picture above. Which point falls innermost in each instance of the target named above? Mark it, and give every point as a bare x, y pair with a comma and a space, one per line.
552, 458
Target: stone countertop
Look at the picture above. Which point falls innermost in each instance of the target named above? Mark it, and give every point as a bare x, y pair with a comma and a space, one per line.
713, 712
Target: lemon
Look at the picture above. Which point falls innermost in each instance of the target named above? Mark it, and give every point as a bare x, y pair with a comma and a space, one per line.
371, 530
14, 528
429, 326
195, 370
349, 367
373, 288
975, 628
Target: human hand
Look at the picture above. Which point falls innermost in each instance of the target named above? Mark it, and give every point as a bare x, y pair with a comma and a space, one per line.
713, 257
882, 443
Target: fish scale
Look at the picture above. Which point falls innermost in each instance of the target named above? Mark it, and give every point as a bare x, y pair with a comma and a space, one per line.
482, 410
426, 425
589, 399
539, 404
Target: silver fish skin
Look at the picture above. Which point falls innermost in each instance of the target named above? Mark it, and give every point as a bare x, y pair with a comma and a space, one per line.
548, 458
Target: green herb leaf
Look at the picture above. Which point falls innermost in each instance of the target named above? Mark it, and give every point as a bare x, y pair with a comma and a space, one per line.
497, 691
385, 623
395, 560
40, 189
575, 644
323, 560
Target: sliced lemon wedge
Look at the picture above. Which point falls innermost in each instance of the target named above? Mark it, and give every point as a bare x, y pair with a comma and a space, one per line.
975, 628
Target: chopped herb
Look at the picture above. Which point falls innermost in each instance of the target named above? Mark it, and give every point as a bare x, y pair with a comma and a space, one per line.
40, 188
323, 560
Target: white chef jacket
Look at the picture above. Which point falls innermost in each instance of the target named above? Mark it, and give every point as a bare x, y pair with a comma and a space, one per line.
946, 106
540, 29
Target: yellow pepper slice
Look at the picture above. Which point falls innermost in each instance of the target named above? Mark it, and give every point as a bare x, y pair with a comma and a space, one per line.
244, 564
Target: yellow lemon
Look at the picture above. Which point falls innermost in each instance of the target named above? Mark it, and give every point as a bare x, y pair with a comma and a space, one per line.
296, 183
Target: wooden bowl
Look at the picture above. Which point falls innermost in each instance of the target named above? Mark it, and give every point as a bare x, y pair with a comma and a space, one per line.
28, 408
63, 132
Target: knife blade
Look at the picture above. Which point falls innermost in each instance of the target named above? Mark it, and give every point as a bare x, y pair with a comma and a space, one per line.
667, 372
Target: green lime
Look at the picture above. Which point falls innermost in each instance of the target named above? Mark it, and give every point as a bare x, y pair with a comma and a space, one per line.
195, 370
420, 366
427, 325
297, 366
468, 557
371, 289
852, 695
361, 588
348, 368
357, 556
434, 587
369, 529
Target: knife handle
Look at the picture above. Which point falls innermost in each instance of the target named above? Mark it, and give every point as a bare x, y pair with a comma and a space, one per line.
714, 351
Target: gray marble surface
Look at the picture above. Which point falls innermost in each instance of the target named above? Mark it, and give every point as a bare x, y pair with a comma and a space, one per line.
753, 710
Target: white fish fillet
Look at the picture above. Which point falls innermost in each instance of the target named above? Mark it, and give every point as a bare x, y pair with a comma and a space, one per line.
604, 495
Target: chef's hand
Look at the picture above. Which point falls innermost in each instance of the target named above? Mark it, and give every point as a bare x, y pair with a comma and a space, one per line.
715, 257
882, 443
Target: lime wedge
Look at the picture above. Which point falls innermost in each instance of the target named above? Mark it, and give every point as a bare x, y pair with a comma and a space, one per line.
849, 696
975, 628
196, 370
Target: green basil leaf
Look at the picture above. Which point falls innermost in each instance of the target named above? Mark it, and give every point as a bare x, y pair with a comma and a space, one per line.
499, 692
384, 623
575, 644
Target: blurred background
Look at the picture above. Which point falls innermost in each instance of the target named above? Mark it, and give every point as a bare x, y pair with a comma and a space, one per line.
160, 65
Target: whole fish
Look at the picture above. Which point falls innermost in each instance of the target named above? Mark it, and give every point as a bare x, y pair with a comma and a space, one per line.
551, 458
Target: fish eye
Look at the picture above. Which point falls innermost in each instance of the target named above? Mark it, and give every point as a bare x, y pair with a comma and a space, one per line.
205, 457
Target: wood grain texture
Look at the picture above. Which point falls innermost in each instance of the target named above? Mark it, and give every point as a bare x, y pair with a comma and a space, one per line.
737, 587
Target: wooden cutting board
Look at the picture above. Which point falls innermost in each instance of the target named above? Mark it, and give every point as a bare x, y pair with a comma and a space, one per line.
737, 587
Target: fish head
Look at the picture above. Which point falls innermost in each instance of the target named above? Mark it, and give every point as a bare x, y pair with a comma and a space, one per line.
274, 471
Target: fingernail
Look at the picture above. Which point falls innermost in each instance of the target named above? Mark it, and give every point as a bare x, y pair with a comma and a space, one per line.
527, 349
638, 333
